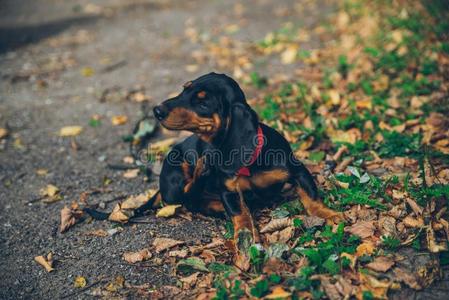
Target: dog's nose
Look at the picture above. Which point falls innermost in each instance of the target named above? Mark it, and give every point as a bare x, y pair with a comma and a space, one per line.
160, 112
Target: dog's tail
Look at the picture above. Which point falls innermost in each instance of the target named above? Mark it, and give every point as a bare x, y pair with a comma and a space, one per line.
151, 203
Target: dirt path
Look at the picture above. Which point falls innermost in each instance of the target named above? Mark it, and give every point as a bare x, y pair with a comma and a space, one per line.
56, 58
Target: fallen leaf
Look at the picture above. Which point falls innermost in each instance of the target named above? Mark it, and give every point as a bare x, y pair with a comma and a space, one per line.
276, 224
47, 263
3, 132
167, 211
381, 264
162, 244
414, 206
133, 257
378, 288
365, 248
432, 244
178, 253
119, 120
189, 281
191, 264
80, 282
289, 55
87, 72
70, 131
278, 293
49, 191
133, 173
41, 172
312, 221
286, 234
122, 212
116, 284
413, 222
363, 229
69, 217
330, 289
98, 232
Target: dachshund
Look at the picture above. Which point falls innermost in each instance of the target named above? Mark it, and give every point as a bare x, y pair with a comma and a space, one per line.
232, 162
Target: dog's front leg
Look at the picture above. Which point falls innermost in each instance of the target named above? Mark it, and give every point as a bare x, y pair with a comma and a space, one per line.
245, 232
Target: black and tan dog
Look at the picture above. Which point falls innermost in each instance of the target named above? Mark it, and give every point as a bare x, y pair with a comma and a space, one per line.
232, 162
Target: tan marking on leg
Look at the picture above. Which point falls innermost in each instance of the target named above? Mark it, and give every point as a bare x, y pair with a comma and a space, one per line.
242, 182
266, 178
157, 201
318, 209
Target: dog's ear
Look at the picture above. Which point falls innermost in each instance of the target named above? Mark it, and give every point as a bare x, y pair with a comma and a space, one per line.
241, 136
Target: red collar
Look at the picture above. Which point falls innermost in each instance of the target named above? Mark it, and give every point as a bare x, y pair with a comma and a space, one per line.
244, 171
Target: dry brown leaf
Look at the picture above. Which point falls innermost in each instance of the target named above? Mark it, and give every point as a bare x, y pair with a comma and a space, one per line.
133, 257
363, 229
414, 206
432, 244
413, 222
378, 288
208, 256
387, 226
70, 131
381, 264
365, 248
119, 120
162, 244
178, 253
69, 217
122, 212
278, 293
133, 173
167, 211
47, 263
189, 281
312, 221
286, 234
408, 278
276, 224
330, 289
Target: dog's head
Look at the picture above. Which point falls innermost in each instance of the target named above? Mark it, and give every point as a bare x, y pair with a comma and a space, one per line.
214, 107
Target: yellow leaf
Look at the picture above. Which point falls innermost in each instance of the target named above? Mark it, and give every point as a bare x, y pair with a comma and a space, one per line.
364, 248
80, 282
3, 132
87, 71
49, 191
70, 130
167, 211
119, 120
46, 263
278, 293
334, 96
131, 173
41, 172
289, 55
